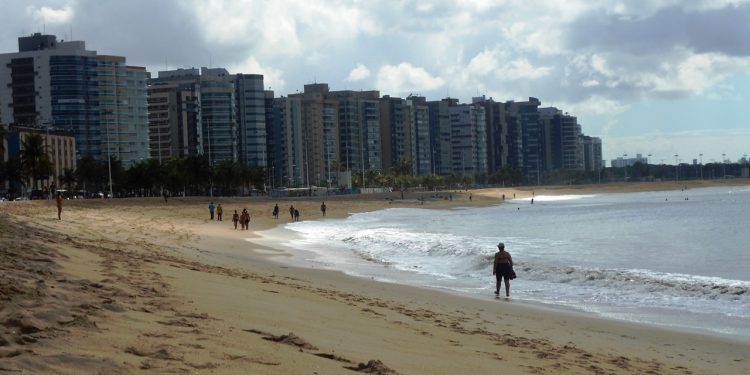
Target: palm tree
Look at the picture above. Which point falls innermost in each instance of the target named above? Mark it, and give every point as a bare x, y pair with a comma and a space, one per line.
68, 178
3, 166
14, 175
3, 133
34, 159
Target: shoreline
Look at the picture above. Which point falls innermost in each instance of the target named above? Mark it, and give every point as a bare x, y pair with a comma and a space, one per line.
313, 259
139, 286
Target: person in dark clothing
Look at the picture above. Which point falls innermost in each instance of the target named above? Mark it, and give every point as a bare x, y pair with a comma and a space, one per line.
502, 268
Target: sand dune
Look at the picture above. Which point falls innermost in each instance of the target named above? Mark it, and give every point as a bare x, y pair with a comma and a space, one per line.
140, 286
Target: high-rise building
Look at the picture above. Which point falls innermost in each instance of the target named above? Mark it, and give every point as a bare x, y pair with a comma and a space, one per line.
359, 128
497, 133
396, 133
320, 138
62, 85
562, 146
524, 138
123, 109
251, 120
218, 115
421, 152
174, 114
468, 140
288, 153
592, 154
440, 135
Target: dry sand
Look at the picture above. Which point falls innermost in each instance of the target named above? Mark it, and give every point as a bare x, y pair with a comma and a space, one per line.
140, 286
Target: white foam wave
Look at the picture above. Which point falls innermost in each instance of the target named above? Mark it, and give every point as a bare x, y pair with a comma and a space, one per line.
553, 198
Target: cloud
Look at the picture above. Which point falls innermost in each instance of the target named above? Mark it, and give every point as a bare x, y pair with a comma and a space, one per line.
522, 69
359, 73
51, 15
404, 78
483, 63
273, 79
724, 30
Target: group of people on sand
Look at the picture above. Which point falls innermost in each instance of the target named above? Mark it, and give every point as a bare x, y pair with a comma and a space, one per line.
216, 210
212, 207
294, 213
243, 219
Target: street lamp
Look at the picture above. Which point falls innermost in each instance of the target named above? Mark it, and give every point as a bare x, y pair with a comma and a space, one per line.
109, 157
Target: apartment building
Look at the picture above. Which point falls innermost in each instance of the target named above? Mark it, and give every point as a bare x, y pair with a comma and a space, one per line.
63, 86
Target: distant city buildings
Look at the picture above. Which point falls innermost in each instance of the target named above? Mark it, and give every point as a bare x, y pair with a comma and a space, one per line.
624, 161
61, 85
307, 138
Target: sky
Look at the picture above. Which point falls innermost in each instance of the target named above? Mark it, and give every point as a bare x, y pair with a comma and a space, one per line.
652, 77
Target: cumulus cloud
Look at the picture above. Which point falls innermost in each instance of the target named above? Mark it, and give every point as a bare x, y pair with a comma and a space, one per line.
588, 58
483, 63
51, 15
273, 79
724, 30
522, 69
404, 78
359, 73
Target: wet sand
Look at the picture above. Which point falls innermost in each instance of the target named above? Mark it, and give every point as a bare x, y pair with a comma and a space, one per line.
140, 286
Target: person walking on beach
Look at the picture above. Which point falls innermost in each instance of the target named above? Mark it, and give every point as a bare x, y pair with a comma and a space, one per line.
323, 208
165, 195
244, 219
502, 269
291, 211
211, 208
219, 211
235, 219
296, 214
59, 201
276, 211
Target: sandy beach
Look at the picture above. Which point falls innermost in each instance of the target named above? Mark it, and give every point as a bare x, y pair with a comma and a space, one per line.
140, 286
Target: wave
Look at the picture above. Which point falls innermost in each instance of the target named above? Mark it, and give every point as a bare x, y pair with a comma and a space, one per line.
461, 257
554, 198
642, 282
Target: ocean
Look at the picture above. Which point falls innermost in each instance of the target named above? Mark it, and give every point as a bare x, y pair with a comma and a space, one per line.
677, 259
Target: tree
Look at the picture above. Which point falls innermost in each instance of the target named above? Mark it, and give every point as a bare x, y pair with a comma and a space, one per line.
34, 159
14, 175
403, 167
228, 176
68, 178
90, 173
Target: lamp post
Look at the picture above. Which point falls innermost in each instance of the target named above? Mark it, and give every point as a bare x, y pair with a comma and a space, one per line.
676, 166
109, 157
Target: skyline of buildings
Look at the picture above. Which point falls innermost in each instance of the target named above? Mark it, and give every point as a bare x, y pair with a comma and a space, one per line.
305, 138
61, 85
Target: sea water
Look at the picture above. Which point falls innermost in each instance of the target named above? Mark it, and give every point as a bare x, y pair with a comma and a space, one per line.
675, 258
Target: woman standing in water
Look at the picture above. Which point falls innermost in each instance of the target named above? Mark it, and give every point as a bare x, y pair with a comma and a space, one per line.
502, 269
